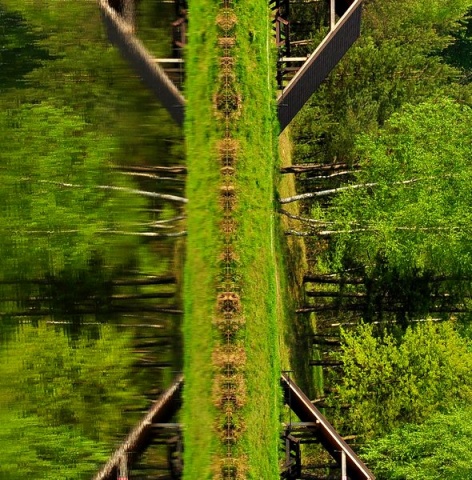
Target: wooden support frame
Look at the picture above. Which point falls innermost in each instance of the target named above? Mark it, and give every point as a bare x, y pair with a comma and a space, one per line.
320, 63
327, 435
121, 34
140, 437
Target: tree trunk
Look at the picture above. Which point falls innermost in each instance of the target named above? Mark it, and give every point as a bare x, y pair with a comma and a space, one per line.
332, 279
314, 167
332, 191
172, 170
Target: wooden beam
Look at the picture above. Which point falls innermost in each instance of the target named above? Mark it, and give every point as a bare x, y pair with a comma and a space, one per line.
329, 438
141, 436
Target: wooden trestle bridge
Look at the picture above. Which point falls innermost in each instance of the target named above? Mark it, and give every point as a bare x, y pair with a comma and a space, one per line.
297, 79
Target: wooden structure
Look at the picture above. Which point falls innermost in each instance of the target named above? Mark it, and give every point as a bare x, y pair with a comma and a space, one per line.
320, 63
351, 465
121, 34
141, 436
155, 425
306, 73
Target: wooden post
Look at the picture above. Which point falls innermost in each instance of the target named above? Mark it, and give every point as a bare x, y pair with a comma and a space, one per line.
123, 468
343, 465
129, 9
332, 15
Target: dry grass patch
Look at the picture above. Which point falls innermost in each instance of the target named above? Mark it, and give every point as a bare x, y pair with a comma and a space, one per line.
233, 468
229, 391
229, 302
229, 357
226, 19
230, 324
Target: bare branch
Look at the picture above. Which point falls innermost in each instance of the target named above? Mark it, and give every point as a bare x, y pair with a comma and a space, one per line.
153, 176
163, 196
304, 219
147, 234
331, 191
316, 167
328, 233
327, 177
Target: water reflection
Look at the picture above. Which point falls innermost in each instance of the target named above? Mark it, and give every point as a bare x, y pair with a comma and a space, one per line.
89, 285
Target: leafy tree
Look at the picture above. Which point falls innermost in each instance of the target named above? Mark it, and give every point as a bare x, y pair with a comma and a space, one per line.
404, 221
397, 60
31, 449
438, 448
389, 382
54, 171
83, 383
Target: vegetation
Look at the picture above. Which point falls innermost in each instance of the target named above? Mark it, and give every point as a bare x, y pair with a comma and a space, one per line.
62, 401
388, 382
437, 448
398, 59
389, 213
388, 230
77, 221
383, 153
231, 151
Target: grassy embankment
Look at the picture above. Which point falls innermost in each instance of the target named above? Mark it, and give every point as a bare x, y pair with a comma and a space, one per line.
201, 268
296, 330
231, 245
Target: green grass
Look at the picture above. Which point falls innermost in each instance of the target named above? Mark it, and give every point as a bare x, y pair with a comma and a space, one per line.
201, 269
296, 330
253, 242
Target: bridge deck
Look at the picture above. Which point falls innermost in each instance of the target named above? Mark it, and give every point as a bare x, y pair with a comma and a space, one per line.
320, 63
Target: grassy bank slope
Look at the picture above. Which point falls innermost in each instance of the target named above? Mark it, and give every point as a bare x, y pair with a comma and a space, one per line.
201, 270
245, 229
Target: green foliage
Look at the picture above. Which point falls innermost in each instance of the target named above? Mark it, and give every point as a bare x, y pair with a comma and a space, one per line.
460, 52
397, 60
53, 165
88, 76
439, 448
82, 383
388, 382
415, 216
79, 110
62, 401
20, 53
31, 449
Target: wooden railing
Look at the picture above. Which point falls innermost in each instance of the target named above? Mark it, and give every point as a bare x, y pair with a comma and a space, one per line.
141, 436
120, 33
351, 465
320, 63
